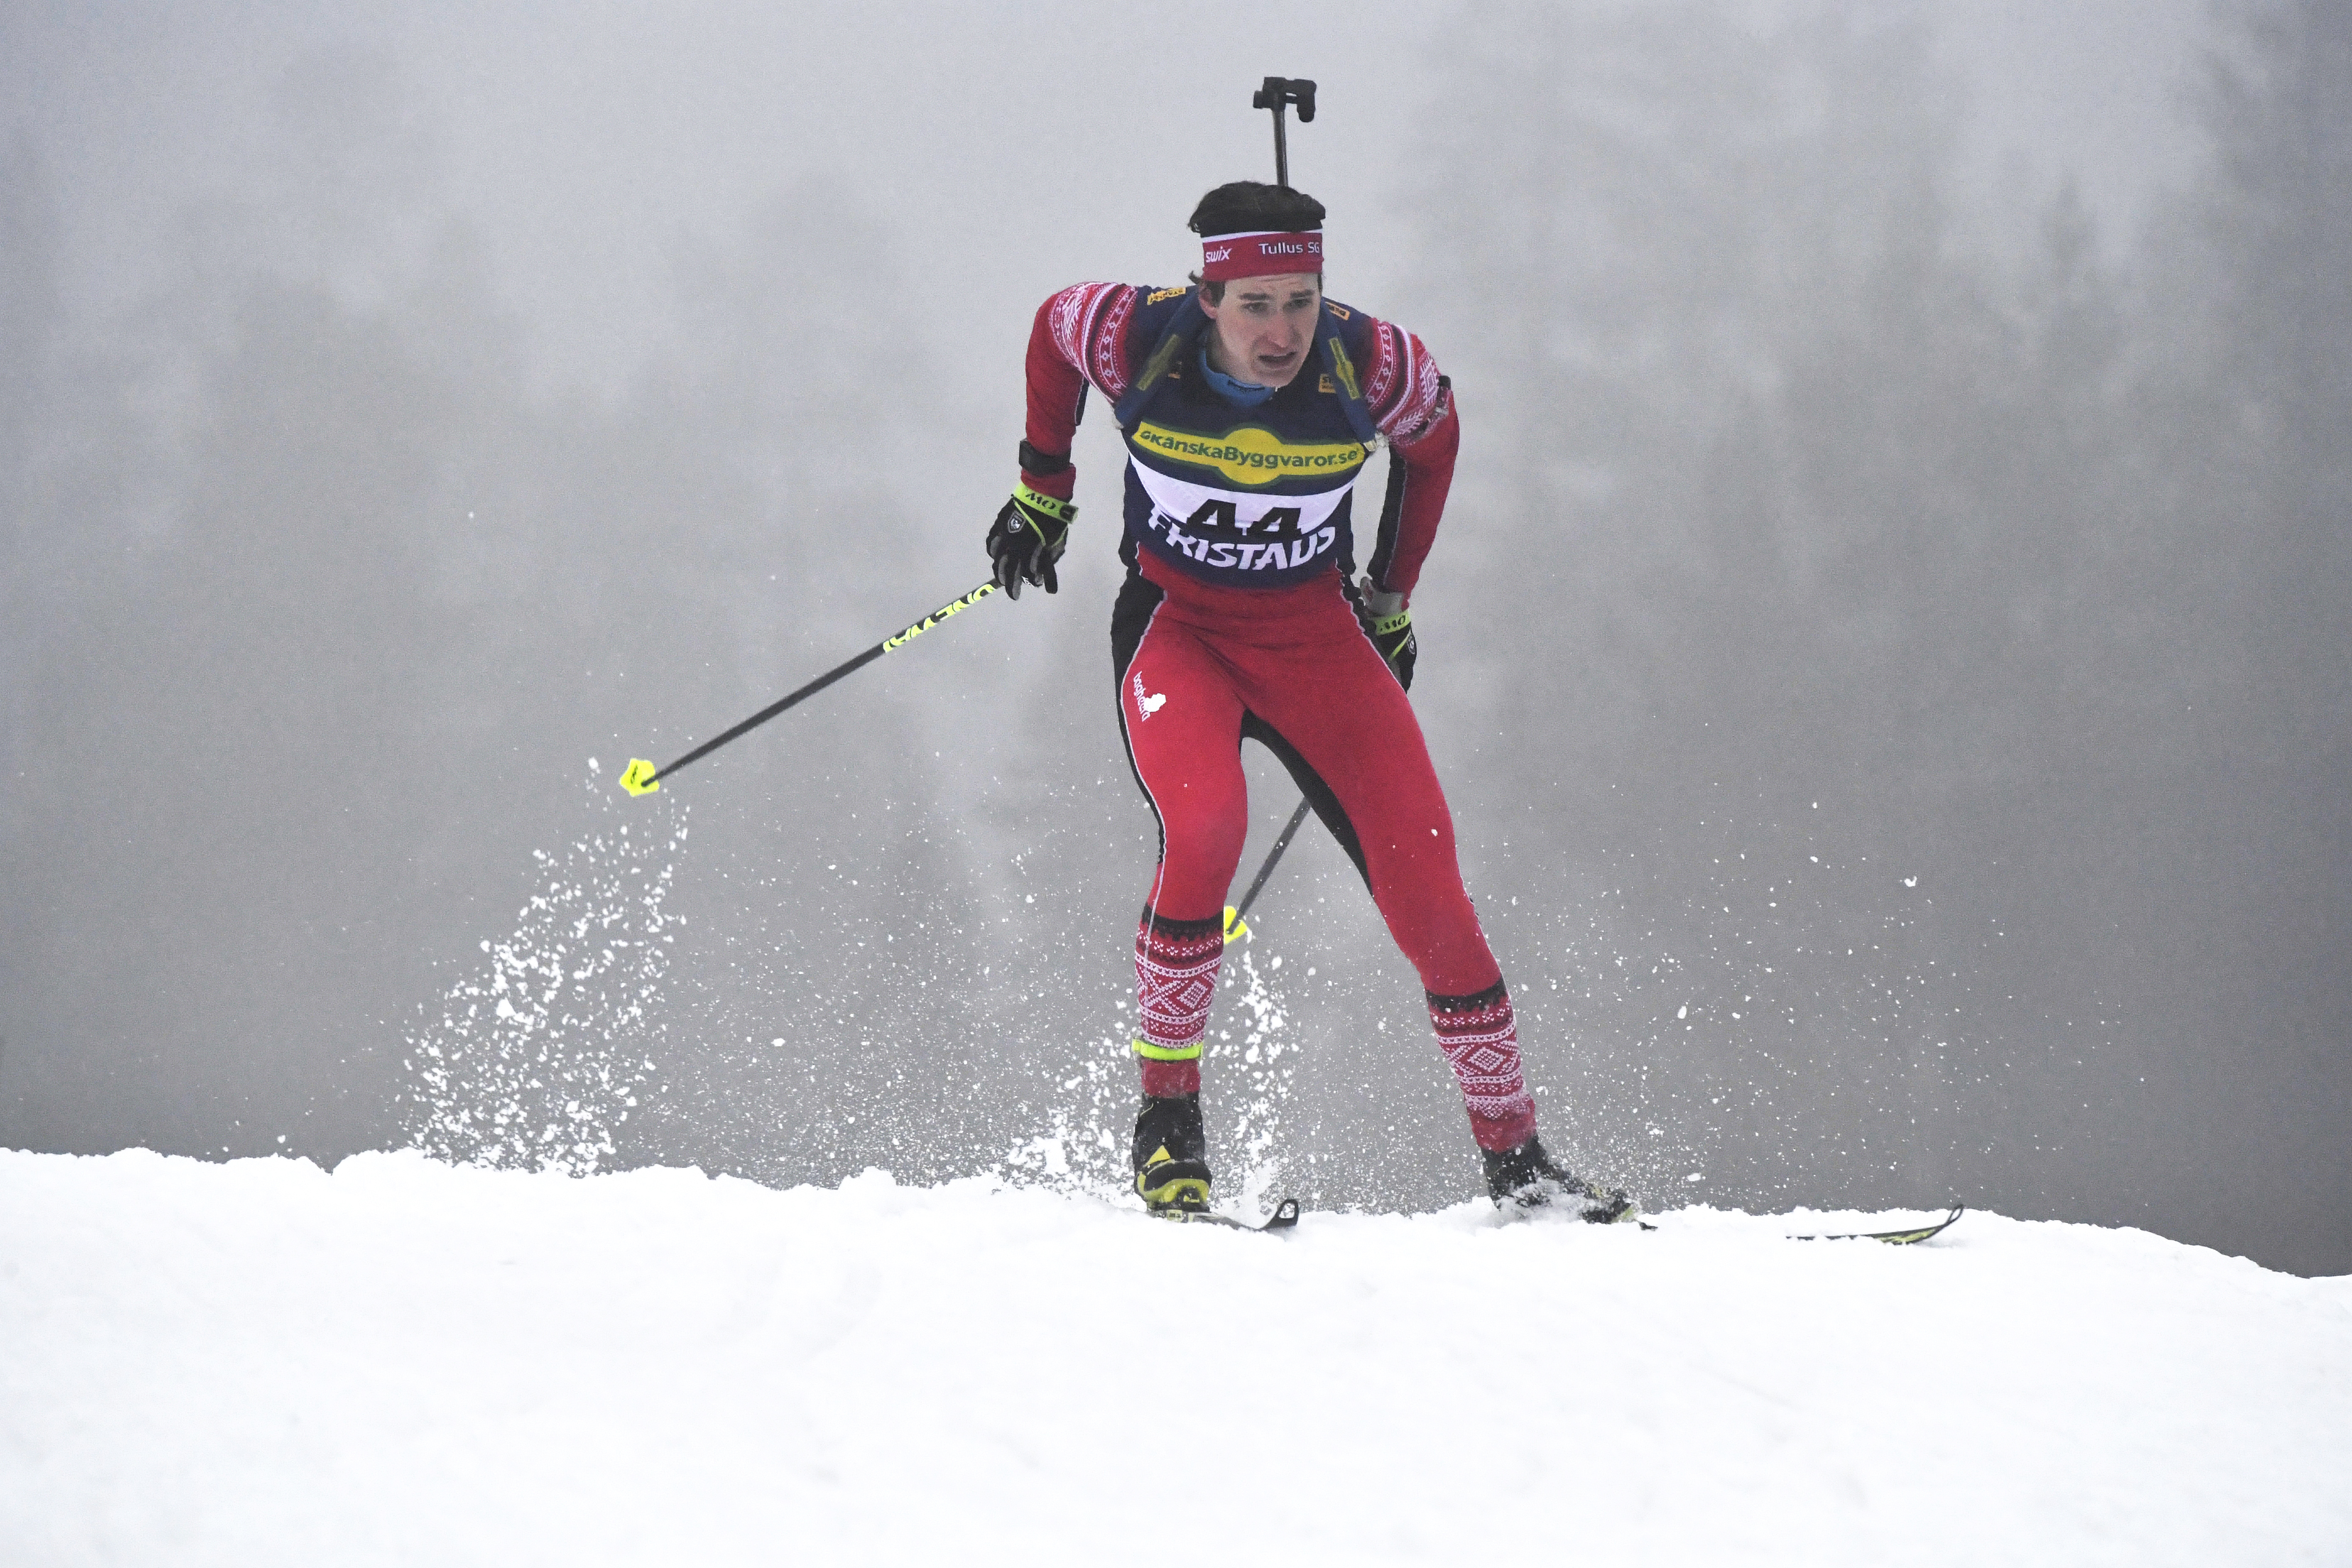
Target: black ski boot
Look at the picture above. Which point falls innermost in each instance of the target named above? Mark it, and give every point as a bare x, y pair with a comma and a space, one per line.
1527, 1178
1172, 1156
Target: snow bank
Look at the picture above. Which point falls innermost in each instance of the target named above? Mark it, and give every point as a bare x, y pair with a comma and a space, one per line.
404, 1362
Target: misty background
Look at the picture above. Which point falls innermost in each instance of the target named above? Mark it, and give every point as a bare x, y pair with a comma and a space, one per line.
1887, 648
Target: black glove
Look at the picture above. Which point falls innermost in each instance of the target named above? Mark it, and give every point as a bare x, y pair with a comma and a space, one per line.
1028, 538
1390, 625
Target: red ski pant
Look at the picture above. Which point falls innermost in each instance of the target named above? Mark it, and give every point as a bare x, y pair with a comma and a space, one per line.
1298, 660
1295, 668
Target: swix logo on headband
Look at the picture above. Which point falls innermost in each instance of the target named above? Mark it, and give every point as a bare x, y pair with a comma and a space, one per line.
1229, 255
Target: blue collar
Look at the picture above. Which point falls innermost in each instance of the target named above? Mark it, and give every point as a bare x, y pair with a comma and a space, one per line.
1232, 391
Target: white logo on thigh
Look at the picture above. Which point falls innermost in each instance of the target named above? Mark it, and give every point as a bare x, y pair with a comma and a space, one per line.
1146, 706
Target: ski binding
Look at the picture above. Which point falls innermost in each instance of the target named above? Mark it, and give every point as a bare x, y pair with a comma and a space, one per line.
1285, 1218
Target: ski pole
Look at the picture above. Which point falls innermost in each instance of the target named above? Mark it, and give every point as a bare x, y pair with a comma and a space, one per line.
1235, 926
642, 778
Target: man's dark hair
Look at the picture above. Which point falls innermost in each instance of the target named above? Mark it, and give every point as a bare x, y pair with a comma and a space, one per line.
1253, 206
1248, 207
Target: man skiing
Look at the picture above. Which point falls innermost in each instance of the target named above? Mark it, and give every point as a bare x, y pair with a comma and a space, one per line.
1249, 403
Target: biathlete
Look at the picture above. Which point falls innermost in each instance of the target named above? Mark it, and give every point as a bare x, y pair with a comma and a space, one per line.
1249, 403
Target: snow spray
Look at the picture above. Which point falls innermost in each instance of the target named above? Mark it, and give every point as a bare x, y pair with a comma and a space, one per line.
1247, 1090
538, 1058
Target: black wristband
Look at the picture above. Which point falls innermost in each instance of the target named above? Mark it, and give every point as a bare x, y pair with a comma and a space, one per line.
1042, 464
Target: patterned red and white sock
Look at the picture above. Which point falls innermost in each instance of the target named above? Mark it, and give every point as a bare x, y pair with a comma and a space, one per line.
1481, 1040
1176, 964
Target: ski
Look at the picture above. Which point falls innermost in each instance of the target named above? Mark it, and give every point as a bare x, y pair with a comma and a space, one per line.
1894, 1238
1286, 1216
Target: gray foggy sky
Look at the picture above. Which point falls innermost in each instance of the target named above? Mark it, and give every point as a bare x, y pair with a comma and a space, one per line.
1010, 145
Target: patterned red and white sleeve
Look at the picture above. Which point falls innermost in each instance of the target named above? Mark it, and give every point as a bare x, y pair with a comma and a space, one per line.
1412, 404
1080, 339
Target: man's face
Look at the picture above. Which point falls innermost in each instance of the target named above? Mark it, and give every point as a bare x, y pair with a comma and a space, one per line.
1265, 326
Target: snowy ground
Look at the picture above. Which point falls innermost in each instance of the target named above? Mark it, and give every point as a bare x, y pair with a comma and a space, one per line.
404, 1362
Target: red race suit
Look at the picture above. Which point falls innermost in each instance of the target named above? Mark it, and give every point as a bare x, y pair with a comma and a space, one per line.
1239, 619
